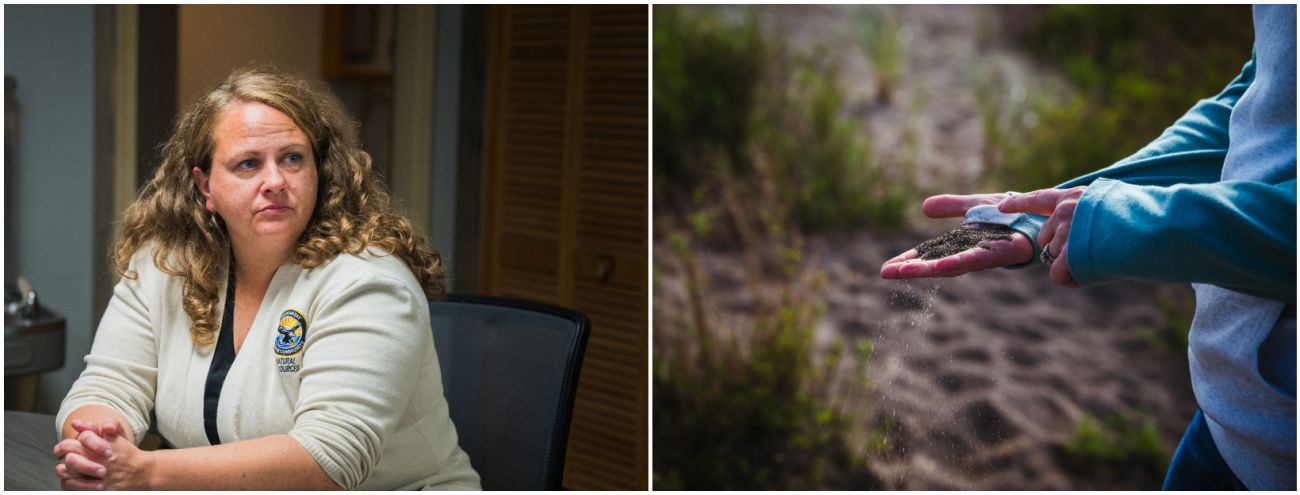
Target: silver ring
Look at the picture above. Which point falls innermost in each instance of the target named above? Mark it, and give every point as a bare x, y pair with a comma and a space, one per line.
1046, 255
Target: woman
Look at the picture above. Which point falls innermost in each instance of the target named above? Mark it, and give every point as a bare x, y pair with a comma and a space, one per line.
265, 226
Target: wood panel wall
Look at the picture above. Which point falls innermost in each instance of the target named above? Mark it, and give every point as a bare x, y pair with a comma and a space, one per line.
567, 204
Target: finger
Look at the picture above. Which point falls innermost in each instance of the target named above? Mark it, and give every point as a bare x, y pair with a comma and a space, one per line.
61, 470
1065, 209
82, 484
112, 427
967, 261
66, 446
956, 205
1047, 231
1060, 271
889, 270
80, 465
910, 254
990, 254
96, 443
1059, 239
80, 426
1042, 202
916, 269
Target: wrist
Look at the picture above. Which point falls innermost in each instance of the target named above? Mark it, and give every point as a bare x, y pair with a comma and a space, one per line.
149, 472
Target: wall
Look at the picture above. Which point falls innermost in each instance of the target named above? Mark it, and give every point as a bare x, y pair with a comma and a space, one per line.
446, 107
217, 38
50, 51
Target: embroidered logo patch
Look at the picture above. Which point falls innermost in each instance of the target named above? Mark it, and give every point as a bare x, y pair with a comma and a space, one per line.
291, 334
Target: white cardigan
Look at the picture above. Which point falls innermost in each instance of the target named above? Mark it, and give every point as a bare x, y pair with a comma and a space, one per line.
363, 394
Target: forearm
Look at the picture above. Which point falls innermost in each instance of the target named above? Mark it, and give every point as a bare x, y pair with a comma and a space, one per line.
1239, 235
94, 413
276, 462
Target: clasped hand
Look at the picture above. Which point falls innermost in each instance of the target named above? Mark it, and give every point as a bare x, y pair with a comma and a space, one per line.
100, 457
1057, 204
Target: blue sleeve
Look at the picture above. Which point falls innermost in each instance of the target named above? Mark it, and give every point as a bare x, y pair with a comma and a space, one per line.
1191, 151
1236, 234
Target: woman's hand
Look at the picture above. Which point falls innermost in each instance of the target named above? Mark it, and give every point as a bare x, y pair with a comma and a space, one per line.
999, 253
81, 464
100, 458
1058, 205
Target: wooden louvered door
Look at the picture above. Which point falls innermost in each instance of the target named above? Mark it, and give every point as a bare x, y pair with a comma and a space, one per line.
566, 208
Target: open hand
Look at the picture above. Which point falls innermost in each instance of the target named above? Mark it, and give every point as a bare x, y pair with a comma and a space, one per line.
1058, 205
999, 253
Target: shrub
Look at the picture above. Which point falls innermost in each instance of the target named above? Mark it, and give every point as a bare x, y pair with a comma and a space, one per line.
757, 406
734, 106
1133, 71
822, 161
706, 71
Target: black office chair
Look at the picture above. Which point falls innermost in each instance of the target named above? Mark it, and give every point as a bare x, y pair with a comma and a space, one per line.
510, 373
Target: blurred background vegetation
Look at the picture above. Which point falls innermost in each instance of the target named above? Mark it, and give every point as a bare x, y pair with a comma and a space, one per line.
755, 146
1133, 69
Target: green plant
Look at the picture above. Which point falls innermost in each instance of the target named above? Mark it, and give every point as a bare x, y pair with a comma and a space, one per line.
731, 105
1124, 441
827, 174
883, 46
707, 68
1132, 71
759, 405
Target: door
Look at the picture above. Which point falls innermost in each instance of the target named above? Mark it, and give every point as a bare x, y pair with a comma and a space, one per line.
566, 207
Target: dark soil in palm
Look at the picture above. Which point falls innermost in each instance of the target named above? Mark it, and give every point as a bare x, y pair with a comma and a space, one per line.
961, 239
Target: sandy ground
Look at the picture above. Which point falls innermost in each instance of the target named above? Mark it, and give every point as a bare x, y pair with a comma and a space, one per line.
985, 376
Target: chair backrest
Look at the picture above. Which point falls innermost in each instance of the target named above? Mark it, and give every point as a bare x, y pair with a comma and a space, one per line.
509, 373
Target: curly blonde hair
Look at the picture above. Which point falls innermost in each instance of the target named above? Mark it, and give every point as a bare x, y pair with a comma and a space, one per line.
353, 210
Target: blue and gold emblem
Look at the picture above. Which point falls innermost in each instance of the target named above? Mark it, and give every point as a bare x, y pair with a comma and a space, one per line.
291, 334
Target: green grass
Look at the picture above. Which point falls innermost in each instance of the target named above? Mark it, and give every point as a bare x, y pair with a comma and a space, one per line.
1122, 442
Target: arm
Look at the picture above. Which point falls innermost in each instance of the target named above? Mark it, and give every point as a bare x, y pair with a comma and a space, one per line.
110, 461
1239, 235
95, 414
117, 386
120, 378
358, 373
277, 462
1191, 151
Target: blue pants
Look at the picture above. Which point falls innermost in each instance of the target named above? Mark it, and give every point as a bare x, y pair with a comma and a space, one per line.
1197, 464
